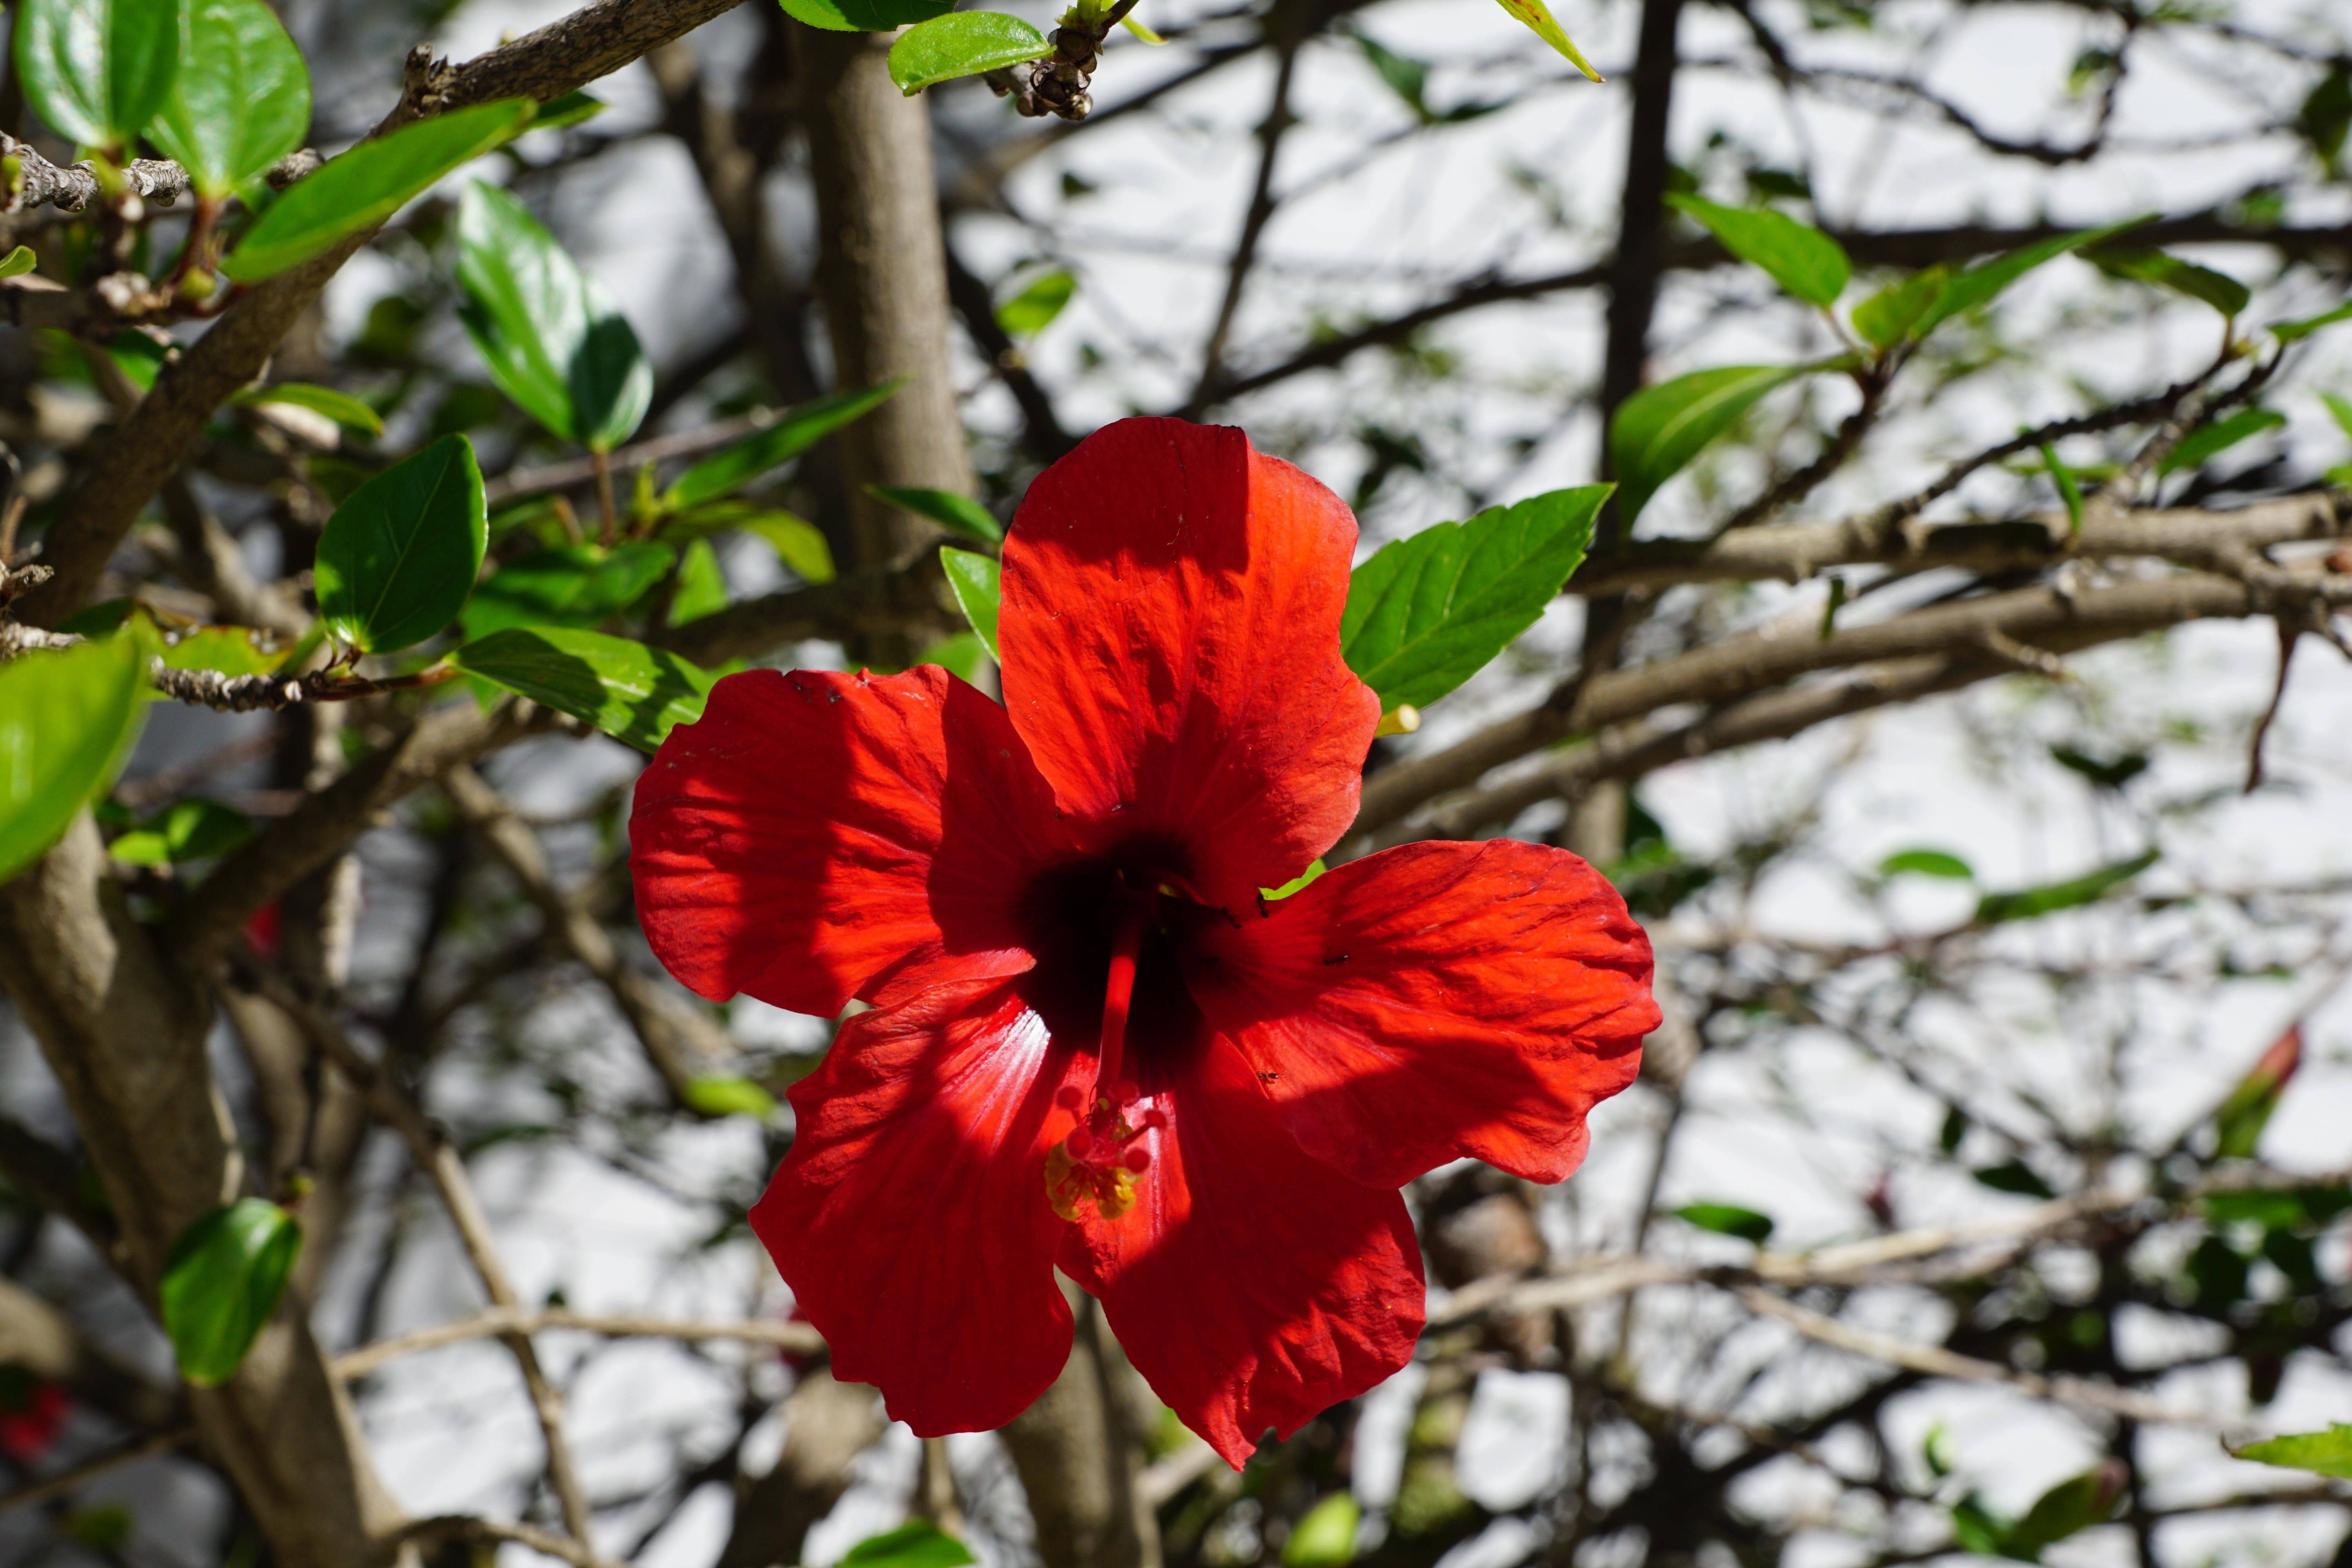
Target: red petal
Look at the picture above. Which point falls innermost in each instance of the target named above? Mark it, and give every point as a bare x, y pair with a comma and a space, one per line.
1170, 631
1436, 1001
801, 843
910, 1218
1251, 1285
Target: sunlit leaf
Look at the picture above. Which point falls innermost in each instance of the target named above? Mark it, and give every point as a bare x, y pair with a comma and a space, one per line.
1804, 261
1658, 431
632, 692
1727, 1220
1538, 19
756, 456
2027, 903
960, 43
2202, 445
339, 406
579, 585
864, 15
398, 559
191, 830
97, 71
1981, 283
974, 578
1925, 863
946, 508
1325, 1535
916, 1545
2142, 265
2329, 1453
220, 1283
241, 100
1041, 299
67, 718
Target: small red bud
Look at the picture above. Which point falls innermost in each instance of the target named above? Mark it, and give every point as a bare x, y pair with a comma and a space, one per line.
1136, 1160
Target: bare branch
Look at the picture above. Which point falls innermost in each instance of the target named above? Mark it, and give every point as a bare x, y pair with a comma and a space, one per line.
771, 1332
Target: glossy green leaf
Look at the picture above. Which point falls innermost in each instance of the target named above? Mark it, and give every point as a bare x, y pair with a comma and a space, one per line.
916, 1545
864, 15
97, 71
963, 43
1979, 284
568, 586
18, 262
1538, 19
798, 543
632, 692
339, 406
2329, 1453
67, 718
2288, 331
2202, 445
553, 339
398, 559
1801, 259
1325, 1535
369, 183
1427, 612
1033, 309
701, 587
220, 1283
726, 471
241, 100
946, 508
1659, 429
2027, 903
973, 578
719, 1094
232, 651
2143, 265
1887, 317
1727, 1220
191, 830
1927, 863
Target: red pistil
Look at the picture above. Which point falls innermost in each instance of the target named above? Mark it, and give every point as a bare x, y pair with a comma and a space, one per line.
1101, 1159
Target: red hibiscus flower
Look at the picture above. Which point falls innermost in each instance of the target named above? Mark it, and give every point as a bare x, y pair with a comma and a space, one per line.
1094, 1043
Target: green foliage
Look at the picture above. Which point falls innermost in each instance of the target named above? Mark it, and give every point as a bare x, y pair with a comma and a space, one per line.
2239, 1120
1314, 870
949, 509
97, 71
1805, 262
916, 1545
572, 109
717, 1094
2288, 331
1538, 19
1981, 283
1727, 1220
1033, 309
242, 98
232, 651
2030, 903
578, 585
339, 406
963, 43
1427, 612
632, 692
701, 586
2107, 772
2202, 445
1927, 863
360, 189
864, 15
222, 1282
191, 830
2015, 1176
1325, 1535
974, 579
67, 722
2327, 1453
1887, 317
18, 262
398, 559
756, 456
1658, 431
2142, 265
552, 338
960, 655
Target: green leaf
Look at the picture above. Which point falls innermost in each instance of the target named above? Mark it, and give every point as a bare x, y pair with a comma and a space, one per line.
960, 655
2288, 331
2027, 903
701, 588
1927, 863
18, 262
632, 692
2067, 1509
241, 100
1727, 1220
1803, 261
2340, 410
1406, 77
2014, 1175
67, 722
553, 339
864, 15
399, 558
2107, 772
1314, 870
369, 183
568, 586
1979, 284
2280, 1208
2143, 265
232, 651
1427, 612
1538, 17
2201, 446
946, 508
97, 71
191, 830
2239, 1120
1033, 309
916, 1545
220, 1283
973, 577
2329, 1453
729, 471
339, 406
2070, 494
797, 542
963, 43
718, 1094
1887, 317
1659, 429
1325, 1535
571, 109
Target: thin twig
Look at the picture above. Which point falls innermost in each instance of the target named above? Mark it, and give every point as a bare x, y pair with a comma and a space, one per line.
90, 1470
